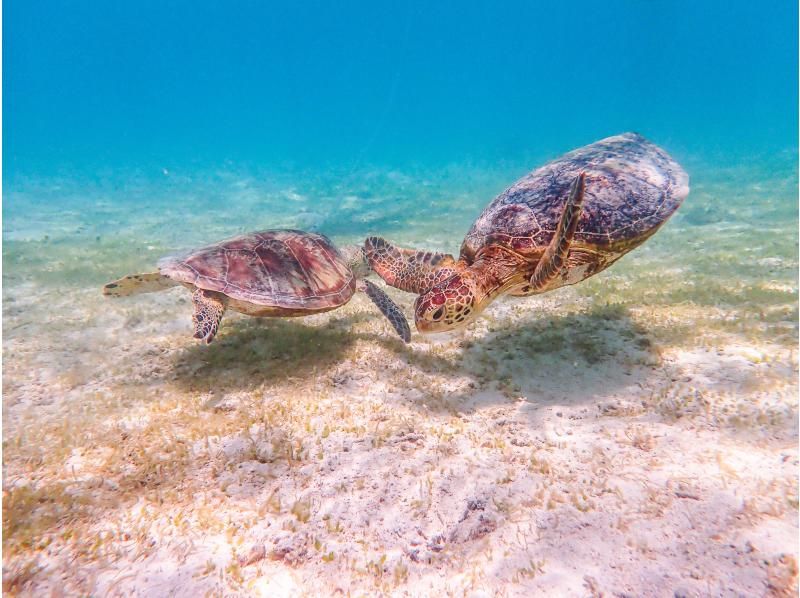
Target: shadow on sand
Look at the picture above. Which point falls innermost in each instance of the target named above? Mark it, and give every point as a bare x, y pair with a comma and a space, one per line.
573, 357
581, 356
255, 352
553, 354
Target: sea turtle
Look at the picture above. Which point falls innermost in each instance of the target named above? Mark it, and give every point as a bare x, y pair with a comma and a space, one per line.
272, 273
560, 224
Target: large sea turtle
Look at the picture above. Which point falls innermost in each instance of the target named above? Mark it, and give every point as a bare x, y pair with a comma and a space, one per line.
560, 224
273, 273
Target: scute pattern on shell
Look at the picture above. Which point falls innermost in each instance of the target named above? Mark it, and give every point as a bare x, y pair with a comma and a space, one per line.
281, 268
632, 187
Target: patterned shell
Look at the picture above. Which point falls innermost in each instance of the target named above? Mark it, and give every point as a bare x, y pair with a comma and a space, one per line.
282, 268
632, 188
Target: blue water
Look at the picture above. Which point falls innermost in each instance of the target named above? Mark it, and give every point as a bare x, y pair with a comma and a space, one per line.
181, 122
135, 129
93, 87
138, 129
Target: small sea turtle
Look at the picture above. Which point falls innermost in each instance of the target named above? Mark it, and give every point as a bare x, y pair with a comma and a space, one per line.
272, 273
556, 226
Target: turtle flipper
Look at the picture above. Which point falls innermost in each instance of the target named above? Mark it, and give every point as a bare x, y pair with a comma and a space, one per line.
407, 269
208, 309
388, 308
138, 283
556, 253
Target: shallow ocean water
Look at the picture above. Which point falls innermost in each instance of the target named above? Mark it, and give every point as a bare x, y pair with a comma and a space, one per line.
136, 460
717, 287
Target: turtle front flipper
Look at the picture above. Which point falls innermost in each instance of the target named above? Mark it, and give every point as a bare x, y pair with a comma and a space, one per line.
388, 308
556, 253
208, 310
407, 269
138, 283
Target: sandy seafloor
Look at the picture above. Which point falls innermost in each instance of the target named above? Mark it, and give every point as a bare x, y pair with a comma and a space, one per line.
635, 435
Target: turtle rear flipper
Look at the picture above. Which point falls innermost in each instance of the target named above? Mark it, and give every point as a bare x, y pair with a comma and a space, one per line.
138, 283
407, 269
556, 253
388, 308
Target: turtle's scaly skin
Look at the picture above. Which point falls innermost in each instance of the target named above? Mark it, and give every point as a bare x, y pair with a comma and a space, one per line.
555, 256
629, 188
388, 308
405, 269
269, 273
209, 308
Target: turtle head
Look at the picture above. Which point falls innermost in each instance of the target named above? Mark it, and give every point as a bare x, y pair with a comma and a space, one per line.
356, 259
450, 304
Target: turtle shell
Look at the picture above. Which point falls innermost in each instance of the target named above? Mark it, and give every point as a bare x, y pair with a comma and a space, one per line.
632, 188
288, 269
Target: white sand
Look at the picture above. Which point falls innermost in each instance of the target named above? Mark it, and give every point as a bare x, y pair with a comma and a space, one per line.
321, 457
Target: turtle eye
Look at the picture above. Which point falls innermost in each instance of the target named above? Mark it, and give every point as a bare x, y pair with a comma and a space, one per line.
437, 315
